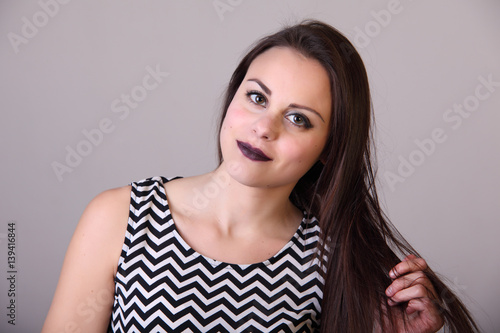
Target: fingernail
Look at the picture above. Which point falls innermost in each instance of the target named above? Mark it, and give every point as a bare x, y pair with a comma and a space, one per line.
392, 274
388, 291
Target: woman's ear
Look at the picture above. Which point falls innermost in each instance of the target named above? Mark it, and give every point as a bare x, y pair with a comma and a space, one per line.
323, 157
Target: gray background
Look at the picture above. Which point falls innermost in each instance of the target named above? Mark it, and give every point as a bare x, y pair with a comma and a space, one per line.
64, 77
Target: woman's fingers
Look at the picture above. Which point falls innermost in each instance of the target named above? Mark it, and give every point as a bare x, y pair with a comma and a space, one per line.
409, 264
410, 281
419, 304
407, 290
407, 281
410, 256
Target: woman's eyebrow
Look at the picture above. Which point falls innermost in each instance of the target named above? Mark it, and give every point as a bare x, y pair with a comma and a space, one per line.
262, 85
297, 106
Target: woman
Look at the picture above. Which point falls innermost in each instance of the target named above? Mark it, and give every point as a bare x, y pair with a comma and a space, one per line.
285, 235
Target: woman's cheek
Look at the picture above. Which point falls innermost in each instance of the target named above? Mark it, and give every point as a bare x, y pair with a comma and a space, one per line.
237, 118
294, 149
303, 151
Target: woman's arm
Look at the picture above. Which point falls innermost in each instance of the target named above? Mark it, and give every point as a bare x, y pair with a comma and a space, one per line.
84, 295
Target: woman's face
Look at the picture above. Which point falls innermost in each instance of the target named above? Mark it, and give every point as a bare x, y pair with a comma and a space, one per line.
277, 123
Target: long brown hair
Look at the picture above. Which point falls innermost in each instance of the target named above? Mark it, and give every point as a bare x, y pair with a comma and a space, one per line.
340, 191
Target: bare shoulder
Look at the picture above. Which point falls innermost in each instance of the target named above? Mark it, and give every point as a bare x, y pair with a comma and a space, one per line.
108, 206
104, 221
111, 201
87, 275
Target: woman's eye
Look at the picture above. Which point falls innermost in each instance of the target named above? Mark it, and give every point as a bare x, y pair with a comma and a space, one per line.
299, 120
257, 98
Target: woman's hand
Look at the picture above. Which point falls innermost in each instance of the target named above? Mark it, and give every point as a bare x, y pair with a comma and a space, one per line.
410, 284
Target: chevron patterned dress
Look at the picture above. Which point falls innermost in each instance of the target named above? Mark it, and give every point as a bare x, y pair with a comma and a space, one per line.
163, 285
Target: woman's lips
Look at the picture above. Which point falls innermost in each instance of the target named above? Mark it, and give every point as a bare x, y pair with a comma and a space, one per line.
255, 154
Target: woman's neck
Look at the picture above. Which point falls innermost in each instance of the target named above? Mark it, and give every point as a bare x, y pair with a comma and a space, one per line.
231, 206
239, 207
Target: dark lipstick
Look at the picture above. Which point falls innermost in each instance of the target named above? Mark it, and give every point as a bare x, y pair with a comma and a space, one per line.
255, 154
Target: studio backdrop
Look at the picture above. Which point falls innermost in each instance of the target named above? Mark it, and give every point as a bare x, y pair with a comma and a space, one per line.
97, 94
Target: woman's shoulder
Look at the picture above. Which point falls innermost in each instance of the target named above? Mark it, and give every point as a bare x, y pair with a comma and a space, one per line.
112, 206
111, 201
107, 213
91, 261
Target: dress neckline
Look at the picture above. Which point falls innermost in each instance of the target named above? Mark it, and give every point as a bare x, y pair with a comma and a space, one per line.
214, 262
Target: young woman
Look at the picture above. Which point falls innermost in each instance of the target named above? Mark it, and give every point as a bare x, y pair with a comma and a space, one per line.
286, 235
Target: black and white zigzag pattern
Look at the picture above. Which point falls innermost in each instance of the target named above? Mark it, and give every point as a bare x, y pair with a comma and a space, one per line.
163, 285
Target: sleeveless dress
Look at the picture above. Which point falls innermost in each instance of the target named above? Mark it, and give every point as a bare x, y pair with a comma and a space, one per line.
163, 285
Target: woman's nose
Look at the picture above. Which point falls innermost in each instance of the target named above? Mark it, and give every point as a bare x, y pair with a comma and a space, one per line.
267, 126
